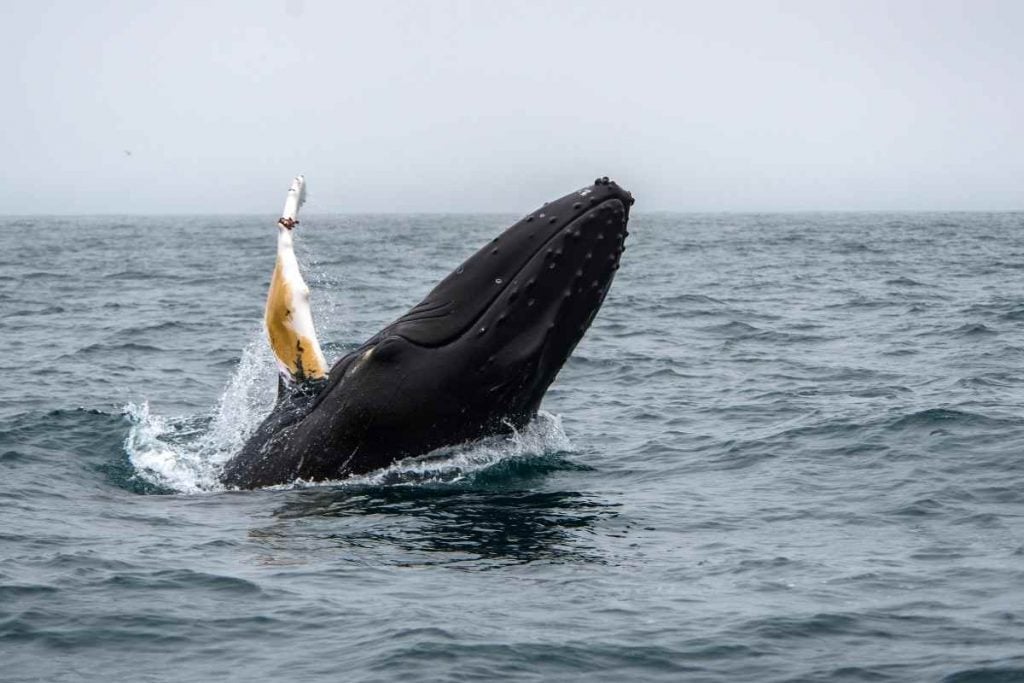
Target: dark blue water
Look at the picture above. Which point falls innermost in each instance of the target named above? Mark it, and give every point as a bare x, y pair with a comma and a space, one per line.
791, 447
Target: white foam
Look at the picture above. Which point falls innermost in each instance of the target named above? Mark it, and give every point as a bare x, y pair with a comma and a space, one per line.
187, 453
452, 464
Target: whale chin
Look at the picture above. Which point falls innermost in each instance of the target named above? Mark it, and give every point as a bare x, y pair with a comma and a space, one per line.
474, 358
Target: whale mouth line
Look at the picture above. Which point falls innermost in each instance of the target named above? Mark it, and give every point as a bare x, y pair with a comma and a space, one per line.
488, 307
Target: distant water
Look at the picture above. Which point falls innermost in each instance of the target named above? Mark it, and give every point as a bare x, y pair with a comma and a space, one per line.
791, 448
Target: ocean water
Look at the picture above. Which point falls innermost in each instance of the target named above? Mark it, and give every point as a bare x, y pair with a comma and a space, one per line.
790, 448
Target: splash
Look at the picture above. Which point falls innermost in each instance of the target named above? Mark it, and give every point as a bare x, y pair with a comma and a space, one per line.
186, 453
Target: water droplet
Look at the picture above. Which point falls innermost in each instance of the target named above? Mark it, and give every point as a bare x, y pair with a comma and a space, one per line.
497, 280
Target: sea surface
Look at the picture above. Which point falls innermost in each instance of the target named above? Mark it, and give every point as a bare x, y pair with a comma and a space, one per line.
790, 448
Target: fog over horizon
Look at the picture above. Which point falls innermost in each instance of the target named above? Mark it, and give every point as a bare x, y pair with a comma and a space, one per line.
125, 107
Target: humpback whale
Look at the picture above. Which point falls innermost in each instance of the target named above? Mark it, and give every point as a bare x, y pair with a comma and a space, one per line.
473, 359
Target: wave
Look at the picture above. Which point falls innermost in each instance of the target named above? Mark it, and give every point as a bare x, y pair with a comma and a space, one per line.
974, 329
932, 417
692, 299
733, 328
987, 674
904, 281
25, 313
106, 349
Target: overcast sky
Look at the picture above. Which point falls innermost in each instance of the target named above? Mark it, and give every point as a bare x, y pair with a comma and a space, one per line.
145, 107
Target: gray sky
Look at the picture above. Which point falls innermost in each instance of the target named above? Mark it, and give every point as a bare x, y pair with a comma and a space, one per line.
497, 106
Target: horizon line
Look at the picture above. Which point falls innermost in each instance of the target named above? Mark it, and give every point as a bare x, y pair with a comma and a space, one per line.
193, 214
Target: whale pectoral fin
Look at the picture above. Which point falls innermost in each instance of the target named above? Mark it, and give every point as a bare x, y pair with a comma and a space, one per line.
288, 317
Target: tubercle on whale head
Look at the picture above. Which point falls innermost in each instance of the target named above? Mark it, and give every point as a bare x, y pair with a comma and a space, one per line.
451, 308
502, 324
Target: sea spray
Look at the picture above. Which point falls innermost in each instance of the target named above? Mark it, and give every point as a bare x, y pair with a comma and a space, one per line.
185, 453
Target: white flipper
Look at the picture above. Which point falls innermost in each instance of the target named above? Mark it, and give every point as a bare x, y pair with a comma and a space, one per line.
288, 317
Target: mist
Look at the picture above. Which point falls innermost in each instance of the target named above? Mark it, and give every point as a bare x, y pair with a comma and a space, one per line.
126, 107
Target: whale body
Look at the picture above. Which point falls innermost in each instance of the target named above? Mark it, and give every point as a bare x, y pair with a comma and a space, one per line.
473, 359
